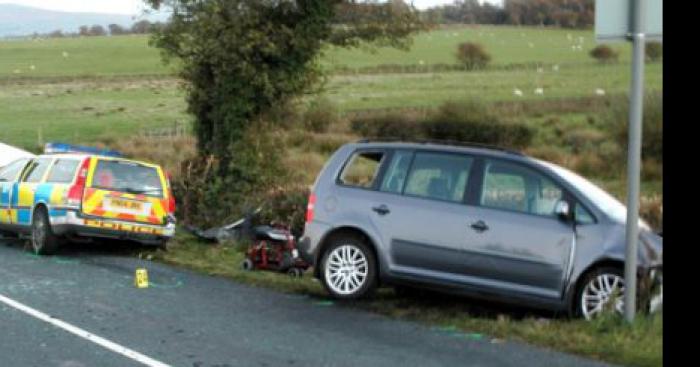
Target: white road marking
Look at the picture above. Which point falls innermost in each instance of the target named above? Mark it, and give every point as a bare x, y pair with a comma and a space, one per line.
114, 347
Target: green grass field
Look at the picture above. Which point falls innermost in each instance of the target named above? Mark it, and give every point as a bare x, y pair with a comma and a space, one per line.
131, 55
507, 45
117, 85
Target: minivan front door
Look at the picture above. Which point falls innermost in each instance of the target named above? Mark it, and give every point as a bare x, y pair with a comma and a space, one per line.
525, 246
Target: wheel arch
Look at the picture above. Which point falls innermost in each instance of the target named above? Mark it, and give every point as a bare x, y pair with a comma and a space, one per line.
40, 205
325, 242
576, 285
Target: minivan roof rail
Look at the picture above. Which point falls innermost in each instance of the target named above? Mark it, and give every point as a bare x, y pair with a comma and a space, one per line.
441, 142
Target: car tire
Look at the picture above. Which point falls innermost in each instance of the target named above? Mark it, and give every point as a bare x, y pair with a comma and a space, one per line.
348, 267
592, 285
248, 265
295, 272
163, 245
43, 240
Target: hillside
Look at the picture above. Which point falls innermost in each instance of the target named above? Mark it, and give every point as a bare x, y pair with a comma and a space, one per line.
19, 20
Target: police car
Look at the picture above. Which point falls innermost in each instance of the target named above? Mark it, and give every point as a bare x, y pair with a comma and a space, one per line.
84, 193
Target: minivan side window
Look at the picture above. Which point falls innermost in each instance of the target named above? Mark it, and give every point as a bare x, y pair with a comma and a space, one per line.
37, 169
439, 176
63, 171
395, 176
362, 169
514, 187
9, 173
582, 215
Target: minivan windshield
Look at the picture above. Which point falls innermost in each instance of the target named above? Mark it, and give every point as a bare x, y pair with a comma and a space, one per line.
128, 177
600, 198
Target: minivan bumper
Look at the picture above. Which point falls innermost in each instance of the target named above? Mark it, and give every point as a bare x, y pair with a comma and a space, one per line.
73, 224
310, 241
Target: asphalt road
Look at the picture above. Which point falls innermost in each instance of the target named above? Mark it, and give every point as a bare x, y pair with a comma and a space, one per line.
186, 319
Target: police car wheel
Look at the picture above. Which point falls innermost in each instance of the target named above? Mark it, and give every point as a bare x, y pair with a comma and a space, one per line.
163, 245
44, 242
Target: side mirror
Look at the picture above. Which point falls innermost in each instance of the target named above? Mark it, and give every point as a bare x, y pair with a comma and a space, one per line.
563, 211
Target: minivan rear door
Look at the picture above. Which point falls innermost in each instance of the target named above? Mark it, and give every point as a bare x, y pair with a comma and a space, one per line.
424, 221
125, 190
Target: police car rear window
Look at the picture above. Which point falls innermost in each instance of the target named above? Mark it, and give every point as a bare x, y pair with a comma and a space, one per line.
127, 177
63, 171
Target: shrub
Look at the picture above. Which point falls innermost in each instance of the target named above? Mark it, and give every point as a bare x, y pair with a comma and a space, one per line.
214, 191
320, 115
583, 139
472, 55
652, 169
651, 210
654, 51
548, 153
591, 165
604, 54
474, 123
285, 115
286, 206
652, 124
468, 122
387, 125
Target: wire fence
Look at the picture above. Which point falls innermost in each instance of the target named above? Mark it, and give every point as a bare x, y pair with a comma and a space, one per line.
177, 129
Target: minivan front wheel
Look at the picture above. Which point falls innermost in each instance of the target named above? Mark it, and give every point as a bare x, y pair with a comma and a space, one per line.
348, 268
601, 291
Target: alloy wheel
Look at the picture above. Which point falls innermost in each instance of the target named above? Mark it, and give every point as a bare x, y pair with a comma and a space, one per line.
600, 292
347, 269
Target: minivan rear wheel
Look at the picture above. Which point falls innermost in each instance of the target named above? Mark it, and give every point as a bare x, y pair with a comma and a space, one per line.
348, 267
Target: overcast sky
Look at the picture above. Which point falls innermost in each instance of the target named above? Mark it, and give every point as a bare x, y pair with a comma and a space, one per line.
133, 7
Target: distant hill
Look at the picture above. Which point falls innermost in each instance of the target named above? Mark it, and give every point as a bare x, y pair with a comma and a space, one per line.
19, 20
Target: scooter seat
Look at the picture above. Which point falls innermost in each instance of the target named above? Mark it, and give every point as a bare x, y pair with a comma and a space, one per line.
270, 233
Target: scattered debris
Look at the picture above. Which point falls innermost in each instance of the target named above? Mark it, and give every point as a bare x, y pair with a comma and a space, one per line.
141, 278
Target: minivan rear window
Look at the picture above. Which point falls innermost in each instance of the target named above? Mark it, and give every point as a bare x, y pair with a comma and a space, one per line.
362, 169
128, 177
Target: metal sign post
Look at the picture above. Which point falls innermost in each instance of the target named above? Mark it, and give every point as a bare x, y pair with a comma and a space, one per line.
634, 156
618, 20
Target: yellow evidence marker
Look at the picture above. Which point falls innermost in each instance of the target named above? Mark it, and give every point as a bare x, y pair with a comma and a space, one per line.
141, 278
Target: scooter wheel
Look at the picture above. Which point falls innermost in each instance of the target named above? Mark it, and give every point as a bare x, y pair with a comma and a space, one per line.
248, 265
295, 272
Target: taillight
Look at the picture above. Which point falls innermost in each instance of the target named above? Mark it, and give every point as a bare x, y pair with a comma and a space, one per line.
75, 192
171, 198
310, 208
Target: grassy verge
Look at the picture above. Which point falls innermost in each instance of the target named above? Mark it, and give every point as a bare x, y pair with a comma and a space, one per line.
606, 339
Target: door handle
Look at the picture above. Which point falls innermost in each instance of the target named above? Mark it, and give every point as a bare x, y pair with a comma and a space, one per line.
480, 226
382, 209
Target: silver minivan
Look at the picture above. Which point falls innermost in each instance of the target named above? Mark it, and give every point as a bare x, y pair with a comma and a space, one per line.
480, 221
